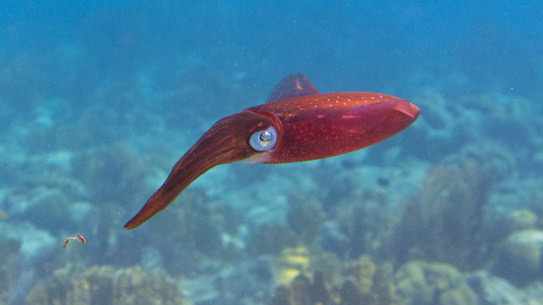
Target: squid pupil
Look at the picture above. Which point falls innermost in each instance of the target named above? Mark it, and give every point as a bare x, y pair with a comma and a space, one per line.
263, 140
265, 136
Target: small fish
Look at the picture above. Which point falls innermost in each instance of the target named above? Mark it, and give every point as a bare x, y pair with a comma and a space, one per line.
79, 238
3, 214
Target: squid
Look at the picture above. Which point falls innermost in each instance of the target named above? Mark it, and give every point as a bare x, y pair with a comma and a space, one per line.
297, 123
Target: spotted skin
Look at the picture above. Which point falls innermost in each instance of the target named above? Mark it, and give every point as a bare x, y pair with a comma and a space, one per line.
334, 123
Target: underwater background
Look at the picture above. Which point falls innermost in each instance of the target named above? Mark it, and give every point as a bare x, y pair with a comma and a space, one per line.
99, 99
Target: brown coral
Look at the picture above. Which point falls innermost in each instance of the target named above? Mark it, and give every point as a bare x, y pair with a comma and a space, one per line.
362, 283
424, 283
102, 285
302, 291
445, 220
367, 283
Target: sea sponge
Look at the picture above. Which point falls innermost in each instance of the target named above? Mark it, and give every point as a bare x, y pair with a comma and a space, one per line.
103, 285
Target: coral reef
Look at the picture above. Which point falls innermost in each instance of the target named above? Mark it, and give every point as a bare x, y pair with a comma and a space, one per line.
331, 238
445, 221
367, 283
291, 262
36, 246
302, 291
439, 128
522, 219
110, 173
226, 218
9, 248
108, 243
248, 283
536, 202
40, 201
362, 283
355, 216
198, 231
304, 216
301, 260
361, 218
425, 283
494, 160
493, 290
42, 186
515, 220
520, 257
103, 285
271, 239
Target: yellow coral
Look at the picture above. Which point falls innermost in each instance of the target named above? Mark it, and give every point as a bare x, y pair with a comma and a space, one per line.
292, 262
285, 276
297, 257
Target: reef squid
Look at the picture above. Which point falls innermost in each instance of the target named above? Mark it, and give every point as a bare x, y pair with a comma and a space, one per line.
297, 123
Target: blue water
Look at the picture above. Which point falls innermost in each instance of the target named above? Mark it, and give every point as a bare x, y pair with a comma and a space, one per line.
99, 100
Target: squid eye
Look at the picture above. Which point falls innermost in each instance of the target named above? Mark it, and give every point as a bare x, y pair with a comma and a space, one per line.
263, 140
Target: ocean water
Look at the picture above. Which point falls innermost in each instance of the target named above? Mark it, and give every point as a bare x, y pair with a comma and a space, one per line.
99, 100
